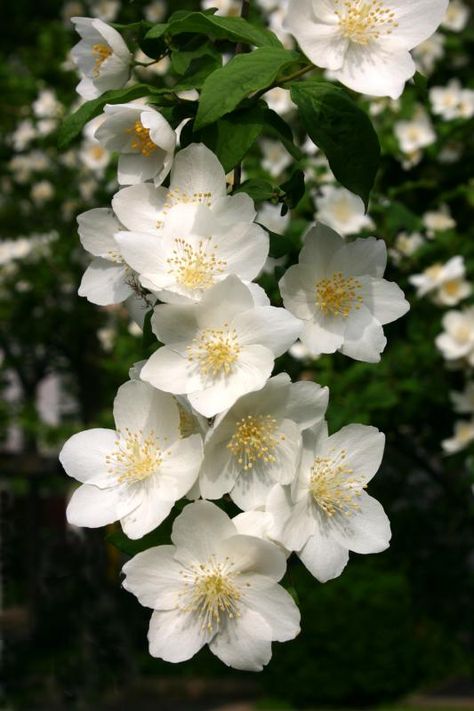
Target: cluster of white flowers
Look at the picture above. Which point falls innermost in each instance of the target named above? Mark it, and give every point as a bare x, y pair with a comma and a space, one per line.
204, 417
452, 101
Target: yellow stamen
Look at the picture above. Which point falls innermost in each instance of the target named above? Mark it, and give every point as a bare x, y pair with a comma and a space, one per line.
333, 488
135, 458
195, 268
255, 438
141, 140
363, 21
337, 295
101, 53
215, 350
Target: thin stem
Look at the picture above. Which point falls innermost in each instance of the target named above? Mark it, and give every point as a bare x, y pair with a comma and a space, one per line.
240, 49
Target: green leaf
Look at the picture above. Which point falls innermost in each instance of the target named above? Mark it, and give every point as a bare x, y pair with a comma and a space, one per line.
279, 245
196, 68
235, 29
278, 127
132, 547
231, 137
259, 190
343, 131
73, 125
225, 88
294, 188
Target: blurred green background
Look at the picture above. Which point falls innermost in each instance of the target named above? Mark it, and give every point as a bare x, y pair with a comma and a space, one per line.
392, 626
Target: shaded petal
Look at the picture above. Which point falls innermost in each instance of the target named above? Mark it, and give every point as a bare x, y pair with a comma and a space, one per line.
96, 231
84, 456
92, 507
323, 556
175, 636
277, 608
105, 283
384, 299
366, 530
139, 207
196, 169
141, 408
154, 577
364, 338
244, 642
199, 529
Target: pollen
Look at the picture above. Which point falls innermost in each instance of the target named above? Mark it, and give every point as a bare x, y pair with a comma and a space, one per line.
176, 196
101, 52
211, 590
334, 489
363, 21
136, 457
337, 295
255, 439
195, 268
215, 350
140, 139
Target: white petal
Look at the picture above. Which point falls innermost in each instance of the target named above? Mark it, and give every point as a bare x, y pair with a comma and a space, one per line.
150, 512
96, 231
92, 507
384, 299
135, 168
180, 467
143, 252
307, 403
141, 408
324, 335
321, 41
366, 530
171, 372
417, 21
324, 557
363, 339
364, 256
199, 529
175, 636
105, 283
297, 288
244, 248
139, 207
277, 608
364, 446
84, 455
271, 327
153, 576
244, 642
253, 555
197, 170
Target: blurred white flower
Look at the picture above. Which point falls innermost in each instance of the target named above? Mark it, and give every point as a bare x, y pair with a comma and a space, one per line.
229, 8
22, 136
270, 217
105, 10
42, 191
438, 221
464, 402
155, 11
456, 16
275, 157
279, 100
415, 133
462, 438
341, 210
46, 105
407, 244
445, 101
457, 340
428, 52
445, 280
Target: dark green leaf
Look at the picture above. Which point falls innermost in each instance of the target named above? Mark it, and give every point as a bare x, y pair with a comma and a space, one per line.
294, 188
198, 71
279, 245
278, 127
235, 29
132, 547
225, 88
343, 131
231, 137
259, 190
73, 125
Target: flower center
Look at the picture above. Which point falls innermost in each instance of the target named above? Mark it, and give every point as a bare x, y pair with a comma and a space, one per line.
141, 140
337, 295
215, 350
101, 53
463, 333
255, 438
362, 21
195, 268
135, 458
211, 591
452, 287
332, 487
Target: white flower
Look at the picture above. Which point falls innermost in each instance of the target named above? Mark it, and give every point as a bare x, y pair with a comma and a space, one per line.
213, 586
447, 280
24, 133
457, 341
105, 10
279, 100
341, 210
466, 104
155, 11
220, 349
229, 8
462, 437
407, 244
456, 16
257, 443
438, 221
428, 52
144, 139
416, 133
327, 512
137, 473
42, 191
101, 56
338, 291
46, 105
107, 279
452, 101
194, 251
275, 157
270, 217
197, 181
464, 402
365, 43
